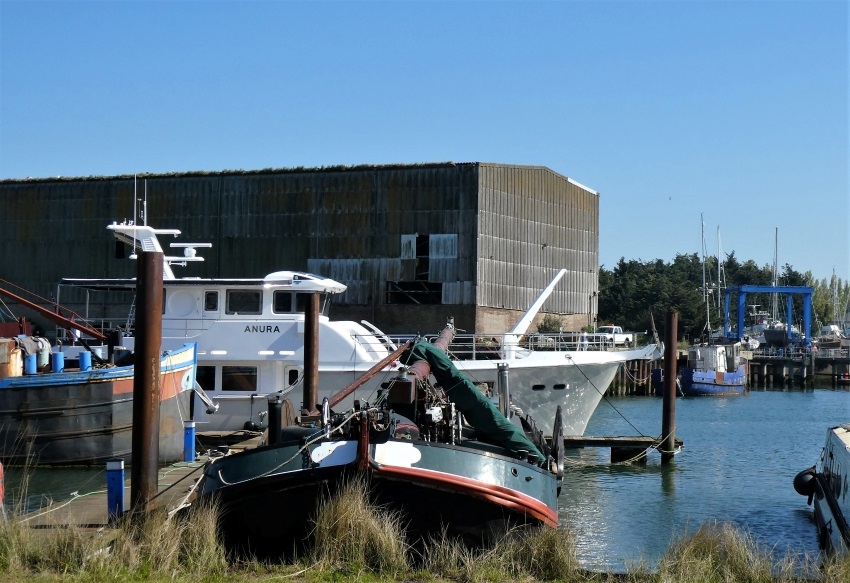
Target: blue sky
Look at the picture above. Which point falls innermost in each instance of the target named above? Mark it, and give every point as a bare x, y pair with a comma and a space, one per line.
736, 110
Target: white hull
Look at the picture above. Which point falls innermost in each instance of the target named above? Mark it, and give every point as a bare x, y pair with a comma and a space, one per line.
251, 335
831, 500
538, 382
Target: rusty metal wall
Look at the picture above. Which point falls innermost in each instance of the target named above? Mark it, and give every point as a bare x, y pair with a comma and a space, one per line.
486, 226
532, 223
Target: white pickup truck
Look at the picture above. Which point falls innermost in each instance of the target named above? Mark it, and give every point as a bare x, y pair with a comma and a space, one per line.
614, 336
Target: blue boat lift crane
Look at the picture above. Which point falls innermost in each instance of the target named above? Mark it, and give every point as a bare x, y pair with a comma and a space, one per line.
788, 290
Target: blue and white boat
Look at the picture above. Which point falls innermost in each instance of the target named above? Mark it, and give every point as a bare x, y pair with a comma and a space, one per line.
714, 369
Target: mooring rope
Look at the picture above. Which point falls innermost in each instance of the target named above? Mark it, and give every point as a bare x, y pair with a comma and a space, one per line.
635, 378
319, 435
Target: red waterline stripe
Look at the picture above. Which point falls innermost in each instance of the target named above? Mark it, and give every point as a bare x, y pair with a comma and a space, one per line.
497, 494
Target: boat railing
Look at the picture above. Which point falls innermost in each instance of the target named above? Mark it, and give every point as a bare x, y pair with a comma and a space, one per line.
485, 346
102, 325
799, 352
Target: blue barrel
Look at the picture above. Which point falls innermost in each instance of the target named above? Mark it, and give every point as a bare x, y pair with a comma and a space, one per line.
57, 361
188, 441
30, 364
85, 360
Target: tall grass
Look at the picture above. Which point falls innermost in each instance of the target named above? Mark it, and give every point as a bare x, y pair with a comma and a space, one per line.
351, 534
719, 552
354, 540
520, 554
148, 545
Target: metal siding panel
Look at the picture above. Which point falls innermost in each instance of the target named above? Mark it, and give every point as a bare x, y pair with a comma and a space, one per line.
266, 221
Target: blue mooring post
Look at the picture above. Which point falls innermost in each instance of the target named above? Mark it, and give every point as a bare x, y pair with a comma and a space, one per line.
114, 489
188, 441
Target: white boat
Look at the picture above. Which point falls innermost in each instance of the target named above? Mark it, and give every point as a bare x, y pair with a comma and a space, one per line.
250, 337
827, 485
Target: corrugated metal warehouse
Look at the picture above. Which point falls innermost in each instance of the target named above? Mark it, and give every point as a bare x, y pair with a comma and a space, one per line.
415, 244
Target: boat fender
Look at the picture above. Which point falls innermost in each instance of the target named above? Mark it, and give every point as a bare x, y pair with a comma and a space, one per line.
804, 483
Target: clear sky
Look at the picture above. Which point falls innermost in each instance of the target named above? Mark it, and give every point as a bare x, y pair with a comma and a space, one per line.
736, 110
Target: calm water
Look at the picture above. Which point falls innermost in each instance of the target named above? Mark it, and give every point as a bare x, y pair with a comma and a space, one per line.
738, 463
740, 456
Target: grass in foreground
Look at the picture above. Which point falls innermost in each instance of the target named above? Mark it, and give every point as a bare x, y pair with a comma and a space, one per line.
354, 541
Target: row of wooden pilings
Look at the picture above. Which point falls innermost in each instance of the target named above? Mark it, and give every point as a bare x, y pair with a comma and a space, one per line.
633, 378
801, 370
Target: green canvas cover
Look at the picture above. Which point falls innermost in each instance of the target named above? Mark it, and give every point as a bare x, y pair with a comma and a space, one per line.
481, 413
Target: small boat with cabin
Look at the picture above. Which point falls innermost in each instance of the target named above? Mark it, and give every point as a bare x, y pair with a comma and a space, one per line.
415, 452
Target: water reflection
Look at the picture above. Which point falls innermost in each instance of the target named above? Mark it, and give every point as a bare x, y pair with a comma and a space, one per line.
740, 456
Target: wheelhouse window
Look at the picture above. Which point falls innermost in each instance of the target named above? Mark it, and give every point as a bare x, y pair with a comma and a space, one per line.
282, 302
302, 301
292, 376
238, 378
205, 376
211, 301
244, 301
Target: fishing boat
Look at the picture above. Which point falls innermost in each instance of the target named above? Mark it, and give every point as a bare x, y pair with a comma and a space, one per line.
712, 369
827, 486
715, 367
76, 412
250, 337
415, 453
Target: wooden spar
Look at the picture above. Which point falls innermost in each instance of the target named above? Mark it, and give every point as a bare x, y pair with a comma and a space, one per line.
334, 400
53, 317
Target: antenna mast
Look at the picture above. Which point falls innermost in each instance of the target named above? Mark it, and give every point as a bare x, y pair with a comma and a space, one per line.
704, 288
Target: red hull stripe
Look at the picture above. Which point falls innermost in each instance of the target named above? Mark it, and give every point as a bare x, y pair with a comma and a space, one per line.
497, 494
169, 384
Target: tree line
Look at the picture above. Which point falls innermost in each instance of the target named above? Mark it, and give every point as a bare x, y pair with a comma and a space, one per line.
634, 293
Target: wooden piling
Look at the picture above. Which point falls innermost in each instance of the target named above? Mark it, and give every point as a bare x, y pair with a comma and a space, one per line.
668, 414
311, 355
146, 389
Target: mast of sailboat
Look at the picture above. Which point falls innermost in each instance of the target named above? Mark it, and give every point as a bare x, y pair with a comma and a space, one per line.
719, 272
704, 288
775, 255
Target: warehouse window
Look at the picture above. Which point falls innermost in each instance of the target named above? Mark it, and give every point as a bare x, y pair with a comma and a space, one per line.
416, 253
414, 292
